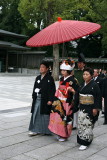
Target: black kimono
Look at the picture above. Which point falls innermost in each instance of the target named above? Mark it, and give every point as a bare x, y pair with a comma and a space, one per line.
45, 87
87, 99
79, 75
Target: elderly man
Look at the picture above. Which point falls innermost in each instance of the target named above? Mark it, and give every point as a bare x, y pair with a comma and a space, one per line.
97, 79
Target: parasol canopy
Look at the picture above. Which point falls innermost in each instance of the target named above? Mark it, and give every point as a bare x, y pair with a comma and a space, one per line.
62, 31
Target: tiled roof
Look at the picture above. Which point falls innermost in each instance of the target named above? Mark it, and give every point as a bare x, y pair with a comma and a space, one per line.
88, 60
11, 34
12, 46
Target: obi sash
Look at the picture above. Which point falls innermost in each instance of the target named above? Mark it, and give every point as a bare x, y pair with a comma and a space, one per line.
86, 99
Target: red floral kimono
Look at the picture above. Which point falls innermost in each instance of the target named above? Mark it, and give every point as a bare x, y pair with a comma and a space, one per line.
62, 108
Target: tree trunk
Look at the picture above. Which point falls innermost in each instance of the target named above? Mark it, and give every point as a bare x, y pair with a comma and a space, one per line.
55, 72
63, 50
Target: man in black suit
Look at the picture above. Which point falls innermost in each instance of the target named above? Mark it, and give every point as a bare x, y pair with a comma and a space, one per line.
104, 92
97, 79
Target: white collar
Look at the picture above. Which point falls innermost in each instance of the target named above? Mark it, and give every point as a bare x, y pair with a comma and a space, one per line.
67, 77
95, 78
87, 83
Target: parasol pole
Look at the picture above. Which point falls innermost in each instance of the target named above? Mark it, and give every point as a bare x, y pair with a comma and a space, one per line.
55, 72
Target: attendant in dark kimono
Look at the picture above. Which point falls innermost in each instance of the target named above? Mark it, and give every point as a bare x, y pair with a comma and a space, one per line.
88, 101
43, 94
78, 73
61, 116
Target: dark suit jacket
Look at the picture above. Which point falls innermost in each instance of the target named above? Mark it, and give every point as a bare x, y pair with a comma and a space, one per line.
99, 81
104, 91
105, 88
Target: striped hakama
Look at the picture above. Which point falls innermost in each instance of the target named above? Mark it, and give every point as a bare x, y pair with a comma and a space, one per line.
39, 122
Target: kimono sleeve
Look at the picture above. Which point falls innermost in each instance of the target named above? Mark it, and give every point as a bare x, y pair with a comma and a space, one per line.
104, 87
75, 85
34, 87
51, 89
76, 102
97, 98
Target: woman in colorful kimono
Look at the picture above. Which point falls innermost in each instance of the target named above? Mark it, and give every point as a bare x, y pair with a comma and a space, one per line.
62, 107
88, 101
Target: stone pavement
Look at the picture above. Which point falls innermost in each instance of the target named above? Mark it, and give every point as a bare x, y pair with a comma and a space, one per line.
15, 91
15, 144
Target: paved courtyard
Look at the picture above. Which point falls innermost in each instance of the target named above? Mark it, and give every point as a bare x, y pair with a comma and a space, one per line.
15, 144
15, 92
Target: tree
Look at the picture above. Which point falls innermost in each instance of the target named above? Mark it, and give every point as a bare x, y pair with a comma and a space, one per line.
95, 11
44, 12
11, 19
41, 14
90, 46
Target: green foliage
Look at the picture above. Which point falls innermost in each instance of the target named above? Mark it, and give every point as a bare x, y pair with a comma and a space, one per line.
11, 19
90, 46
45, 11
96, 11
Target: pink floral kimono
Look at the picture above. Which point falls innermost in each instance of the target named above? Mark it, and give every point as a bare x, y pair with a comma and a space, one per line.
62, 109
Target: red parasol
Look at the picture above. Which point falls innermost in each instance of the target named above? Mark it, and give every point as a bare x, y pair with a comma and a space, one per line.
62, 31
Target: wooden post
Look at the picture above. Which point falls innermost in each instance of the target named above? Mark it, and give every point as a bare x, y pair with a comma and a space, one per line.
7, 61
21, 63
17, 60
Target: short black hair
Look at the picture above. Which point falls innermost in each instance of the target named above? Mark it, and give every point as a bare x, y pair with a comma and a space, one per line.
45, 63
90, 70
